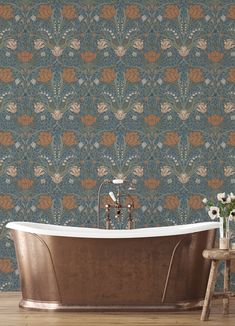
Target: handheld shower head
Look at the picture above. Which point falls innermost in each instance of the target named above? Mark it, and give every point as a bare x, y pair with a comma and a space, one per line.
111, 194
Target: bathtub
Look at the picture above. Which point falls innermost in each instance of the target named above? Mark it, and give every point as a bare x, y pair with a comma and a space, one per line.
148, 269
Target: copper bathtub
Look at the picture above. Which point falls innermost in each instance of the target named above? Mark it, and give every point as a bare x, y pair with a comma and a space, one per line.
72, 268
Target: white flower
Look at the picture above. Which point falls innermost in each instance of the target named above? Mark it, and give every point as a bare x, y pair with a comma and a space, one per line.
138, 171
201, 107
223, 198
202, 44
57, 115
183, 178
102, 107
120, 115
75, 44
120, 51
102, 170
38, 171
165, 107
228, 171
229, 107
202, 171
57, 51
75, 107
12, 171
165, 44
138, 44
12, 107
165, 171
183, 115
205, 200
229, 44
232, 196
232, 215
57, 178
11, 44
213, 212
75, 171
138, 107
39, 107
183, 51
102, 44
39, 44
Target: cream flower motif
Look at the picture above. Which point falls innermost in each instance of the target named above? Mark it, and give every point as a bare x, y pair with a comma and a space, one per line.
57, 115
102, 44
183, 178
11, 44
138, 44
229, 107
183, 115
165, 171
165, 107
232, 215
75, 44
232, 196
102, 107
229, 44
223, 198
165, 44
120, 115
228, 171
201, 107
12, 171
102, 171
12, 107
75, 107
39, 44
57, 51
202, 44
75, 171
138, 171
39, 107
57, 178
120, 51
183, 51
38, 171
205, 201
213, 212
138, 107
202, 171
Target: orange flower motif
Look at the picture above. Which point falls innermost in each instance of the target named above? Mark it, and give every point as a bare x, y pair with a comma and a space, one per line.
151, 120
152, 56
231, 12
196, 75
25, 183
44, 202
6, 202
151, 183
25, 56
215, 56
45, 75
171, 202
171, 138
6, 265
107, 75
69, 12
69, 75
132, 12
195, 202
25, 120
132, 75
196, 138
132, 138
69, 138
108, 138
215, 119
69, 202
44, 12
171, 75
196, 12
88, 183
6, 138
44, 139
88, 56
215, 183
231, 75
6, 12
88, 119
107, 12
6, 75
231, 139
171, 12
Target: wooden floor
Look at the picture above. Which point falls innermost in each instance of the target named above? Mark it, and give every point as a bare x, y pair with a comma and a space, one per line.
12, 315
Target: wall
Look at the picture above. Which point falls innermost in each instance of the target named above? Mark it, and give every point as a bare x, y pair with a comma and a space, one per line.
93, 90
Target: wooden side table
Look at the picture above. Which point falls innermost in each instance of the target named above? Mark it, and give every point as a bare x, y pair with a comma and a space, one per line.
216, 256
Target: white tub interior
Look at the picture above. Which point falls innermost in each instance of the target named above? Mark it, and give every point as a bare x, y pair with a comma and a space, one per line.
81, 232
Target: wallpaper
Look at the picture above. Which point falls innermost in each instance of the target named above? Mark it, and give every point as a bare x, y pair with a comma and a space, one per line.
93, 90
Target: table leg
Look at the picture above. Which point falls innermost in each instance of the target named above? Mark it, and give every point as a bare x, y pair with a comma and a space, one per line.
209, 290
226, 286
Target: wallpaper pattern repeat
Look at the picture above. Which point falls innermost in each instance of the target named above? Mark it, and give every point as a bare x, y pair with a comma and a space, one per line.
93, 90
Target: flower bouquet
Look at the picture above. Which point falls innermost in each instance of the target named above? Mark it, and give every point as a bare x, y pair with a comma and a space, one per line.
225, 211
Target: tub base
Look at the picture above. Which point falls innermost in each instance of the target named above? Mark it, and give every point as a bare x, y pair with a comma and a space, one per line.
57, 306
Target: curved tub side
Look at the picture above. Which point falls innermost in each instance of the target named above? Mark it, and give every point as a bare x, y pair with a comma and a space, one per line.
37, 273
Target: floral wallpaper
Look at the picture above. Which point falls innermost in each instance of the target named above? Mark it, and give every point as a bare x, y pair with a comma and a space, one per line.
93, 90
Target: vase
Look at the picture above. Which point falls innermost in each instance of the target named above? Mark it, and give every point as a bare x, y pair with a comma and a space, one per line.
224, 241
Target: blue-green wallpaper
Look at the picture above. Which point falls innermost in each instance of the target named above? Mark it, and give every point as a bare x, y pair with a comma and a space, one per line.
93, 90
